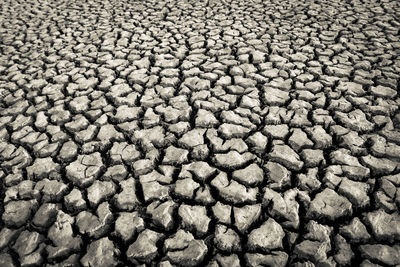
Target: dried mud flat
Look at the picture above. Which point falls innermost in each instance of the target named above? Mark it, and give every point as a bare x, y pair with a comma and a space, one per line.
199, 133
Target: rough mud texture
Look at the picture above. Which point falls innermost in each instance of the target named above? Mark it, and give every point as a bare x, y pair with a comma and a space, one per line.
199, 133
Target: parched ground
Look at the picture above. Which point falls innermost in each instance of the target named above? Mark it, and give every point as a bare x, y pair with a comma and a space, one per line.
199, 133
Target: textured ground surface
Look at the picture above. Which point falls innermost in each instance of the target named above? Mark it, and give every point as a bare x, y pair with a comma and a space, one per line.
199, 133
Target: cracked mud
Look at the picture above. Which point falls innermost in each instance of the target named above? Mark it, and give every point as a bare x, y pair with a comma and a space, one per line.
199, 133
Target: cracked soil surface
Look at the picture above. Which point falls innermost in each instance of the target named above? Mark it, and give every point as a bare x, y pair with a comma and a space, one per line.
199, 133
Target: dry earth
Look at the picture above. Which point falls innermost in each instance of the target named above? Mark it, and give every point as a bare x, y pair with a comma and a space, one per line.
199, 133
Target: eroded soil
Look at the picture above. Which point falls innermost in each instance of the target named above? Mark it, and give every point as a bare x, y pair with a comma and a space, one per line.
199, 133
